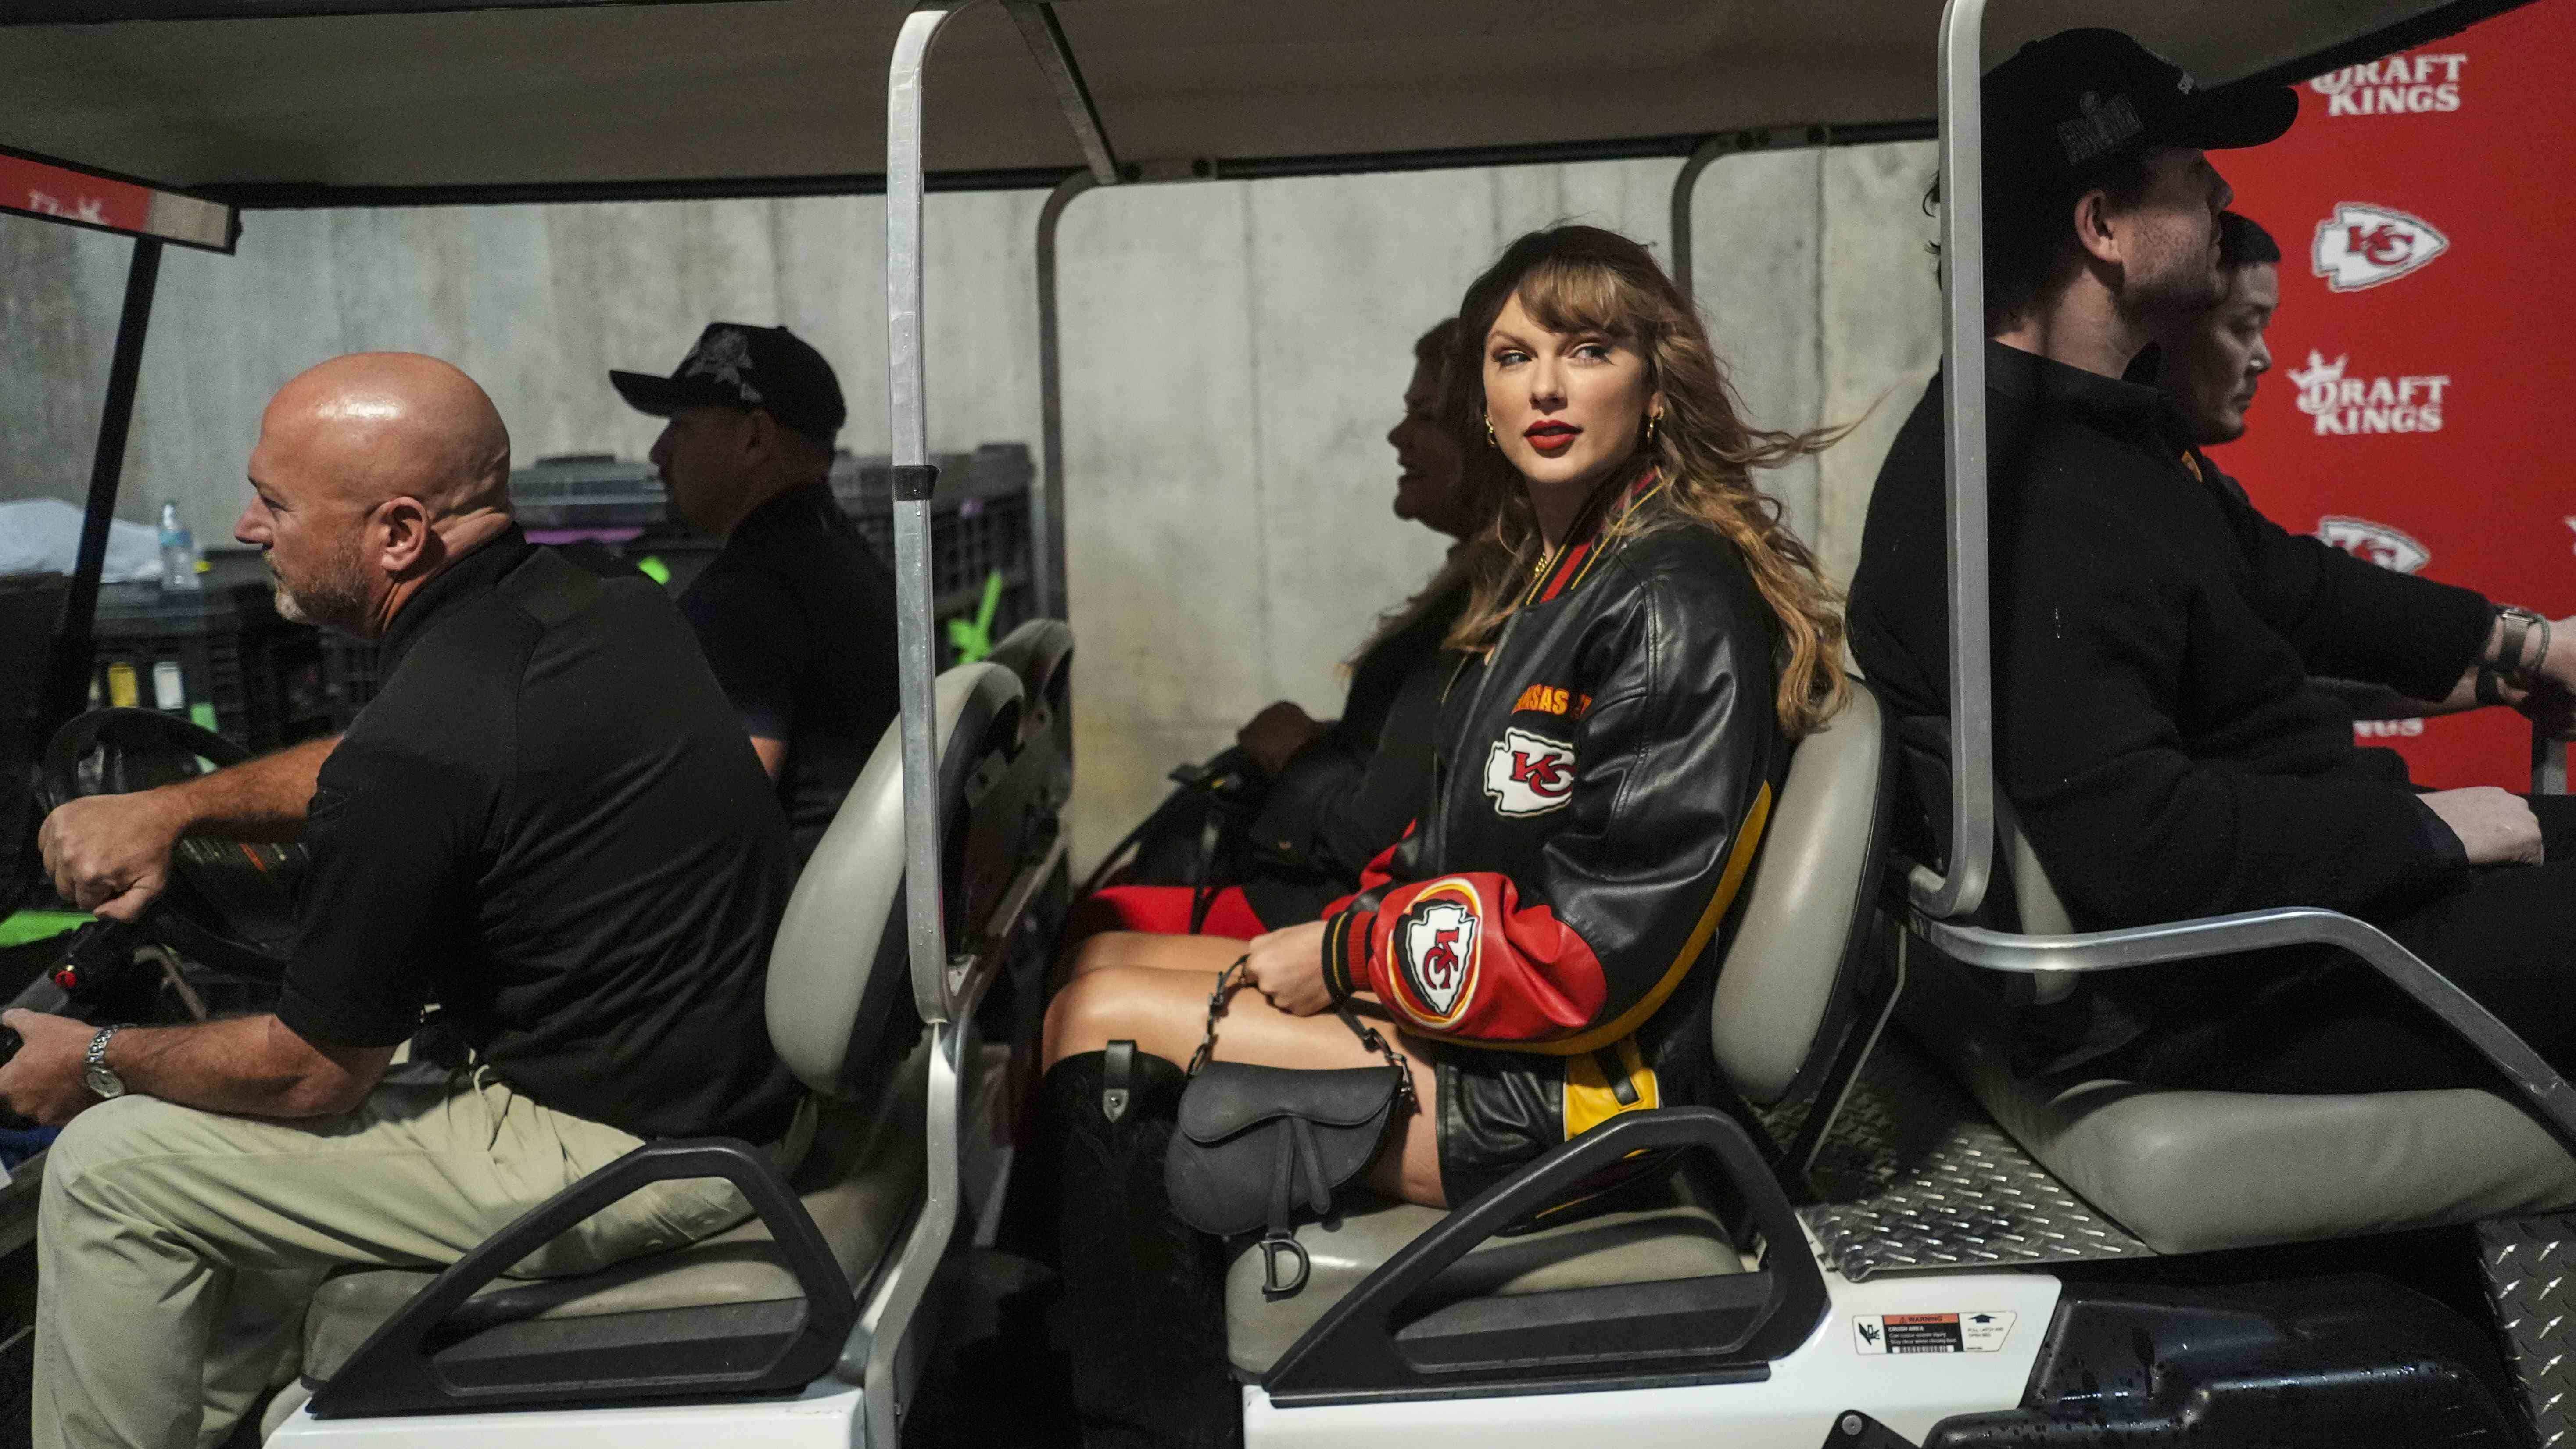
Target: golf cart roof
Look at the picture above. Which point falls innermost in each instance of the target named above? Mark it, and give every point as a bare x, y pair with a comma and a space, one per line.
334, 102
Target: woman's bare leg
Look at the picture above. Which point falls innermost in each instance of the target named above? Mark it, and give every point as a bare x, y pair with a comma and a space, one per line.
1164, 1011
1205, 955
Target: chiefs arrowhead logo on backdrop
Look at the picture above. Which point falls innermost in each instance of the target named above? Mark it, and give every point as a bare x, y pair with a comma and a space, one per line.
2376, 542
1529, 774
2363, 245
1435, 946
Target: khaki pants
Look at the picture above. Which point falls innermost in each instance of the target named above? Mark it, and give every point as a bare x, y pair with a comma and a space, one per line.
176, 1248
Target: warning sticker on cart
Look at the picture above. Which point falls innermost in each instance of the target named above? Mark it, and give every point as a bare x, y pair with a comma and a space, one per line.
1931, 1332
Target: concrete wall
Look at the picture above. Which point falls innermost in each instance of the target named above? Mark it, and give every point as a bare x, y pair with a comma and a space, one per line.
1233, 353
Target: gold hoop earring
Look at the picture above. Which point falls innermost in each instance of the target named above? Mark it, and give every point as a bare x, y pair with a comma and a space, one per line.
1490, 440
1653, 421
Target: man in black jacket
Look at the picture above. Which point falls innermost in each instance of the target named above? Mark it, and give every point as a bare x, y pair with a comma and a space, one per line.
2209, 368
797, 613
2157, 729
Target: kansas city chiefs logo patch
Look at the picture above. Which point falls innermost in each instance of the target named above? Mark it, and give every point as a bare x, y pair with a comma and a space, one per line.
1529, 774
2376, 542
1435, 947
2363, 245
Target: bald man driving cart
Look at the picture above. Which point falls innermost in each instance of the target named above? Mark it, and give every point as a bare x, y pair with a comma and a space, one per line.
548, 828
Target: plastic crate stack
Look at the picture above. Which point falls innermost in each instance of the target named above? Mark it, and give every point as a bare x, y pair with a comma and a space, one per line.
587, 491
980, 530
219, 657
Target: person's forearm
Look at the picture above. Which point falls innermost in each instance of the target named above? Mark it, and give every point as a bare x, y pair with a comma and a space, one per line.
251, 1066
261, 799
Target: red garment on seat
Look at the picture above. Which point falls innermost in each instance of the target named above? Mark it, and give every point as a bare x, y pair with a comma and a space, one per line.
1163, 910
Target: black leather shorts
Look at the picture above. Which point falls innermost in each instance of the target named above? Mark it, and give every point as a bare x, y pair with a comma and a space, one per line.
1499, 1109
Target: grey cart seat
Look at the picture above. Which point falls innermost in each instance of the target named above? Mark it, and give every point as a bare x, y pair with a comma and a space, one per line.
2194, 1171
1040, 652
1784, 998
840, 1016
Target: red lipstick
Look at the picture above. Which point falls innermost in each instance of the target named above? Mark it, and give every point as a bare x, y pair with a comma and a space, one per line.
1551, 436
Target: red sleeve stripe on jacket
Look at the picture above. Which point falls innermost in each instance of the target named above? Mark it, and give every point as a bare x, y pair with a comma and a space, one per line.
1337, 967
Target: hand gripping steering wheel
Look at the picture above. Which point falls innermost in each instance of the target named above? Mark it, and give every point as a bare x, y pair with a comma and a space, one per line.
230, 904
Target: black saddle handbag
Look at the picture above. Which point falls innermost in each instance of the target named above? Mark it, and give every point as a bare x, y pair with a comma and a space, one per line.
1257, 1146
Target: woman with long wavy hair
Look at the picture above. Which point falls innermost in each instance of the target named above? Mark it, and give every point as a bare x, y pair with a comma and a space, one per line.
1642, 642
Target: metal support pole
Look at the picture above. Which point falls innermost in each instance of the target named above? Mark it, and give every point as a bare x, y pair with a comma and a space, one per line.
1963, 289
1683, 185
914, 479
1054, 55
1771, 138
1726, 143
67, 692
1048, 525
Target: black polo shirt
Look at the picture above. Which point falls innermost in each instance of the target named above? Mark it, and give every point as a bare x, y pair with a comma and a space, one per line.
797, 616
2157, 725
549, 825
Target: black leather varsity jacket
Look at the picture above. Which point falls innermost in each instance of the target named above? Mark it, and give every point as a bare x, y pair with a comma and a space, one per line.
1603, 778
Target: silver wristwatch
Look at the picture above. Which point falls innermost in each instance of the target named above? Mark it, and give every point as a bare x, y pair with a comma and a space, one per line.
2518, 626
94, 1069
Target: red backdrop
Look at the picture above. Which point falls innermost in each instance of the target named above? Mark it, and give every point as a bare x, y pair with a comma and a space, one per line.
2423, 375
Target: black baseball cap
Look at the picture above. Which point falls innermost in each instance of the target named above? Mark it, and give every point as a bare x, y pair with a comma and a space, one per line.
2065, 109
736, 366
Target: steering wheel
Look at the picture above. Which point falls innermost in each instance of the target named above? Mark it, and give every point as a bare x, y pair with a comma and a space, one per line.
230, 903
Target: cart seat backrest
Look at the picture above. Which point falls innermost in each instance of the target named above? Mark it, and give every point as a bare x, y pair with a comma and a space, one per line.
1040, 652
840, 990
1787, 984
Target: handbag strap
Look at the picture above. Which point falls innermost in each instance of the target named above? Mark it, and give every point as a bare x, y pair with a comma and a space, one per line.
1231, 978
1370, 1038
1226, 981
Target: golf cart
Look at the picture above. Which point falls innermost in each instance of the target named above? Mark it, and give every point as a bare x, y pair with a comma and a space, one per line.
1910, 1246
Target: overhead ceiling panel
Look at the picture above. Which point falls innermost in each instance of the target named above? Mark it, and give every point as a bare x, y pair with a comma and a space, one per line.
631, 97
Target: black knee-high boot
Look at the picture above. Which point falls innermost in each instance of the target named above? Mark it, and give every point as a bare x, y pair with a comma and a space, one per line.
1144, 1292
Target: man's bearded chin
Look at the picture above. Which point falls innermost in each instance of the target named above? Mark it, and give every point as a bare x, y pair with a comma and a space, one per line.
2174, 288
336, 599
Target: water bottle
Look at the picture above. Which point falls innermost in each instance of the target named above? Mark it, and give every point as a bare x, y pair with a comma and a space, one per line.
178, 551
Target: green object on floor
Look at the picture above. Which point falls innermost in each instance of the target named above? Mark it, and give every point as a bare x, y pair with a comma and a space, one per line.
202, 715
652, 567
973, 638
28, 926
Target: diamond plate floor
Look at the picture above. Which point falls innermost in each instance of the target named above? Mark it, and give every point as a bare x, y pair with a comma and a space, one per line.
1915, 1178
2530, 1268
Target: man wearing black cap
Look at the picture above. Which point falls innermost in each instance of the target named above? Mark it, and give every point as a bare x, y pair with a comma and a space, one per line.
797, 613
2157, 729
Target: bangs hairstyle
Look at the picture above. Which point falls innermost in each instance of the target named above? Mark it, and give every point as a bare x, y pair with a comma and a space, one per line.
1582, 279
